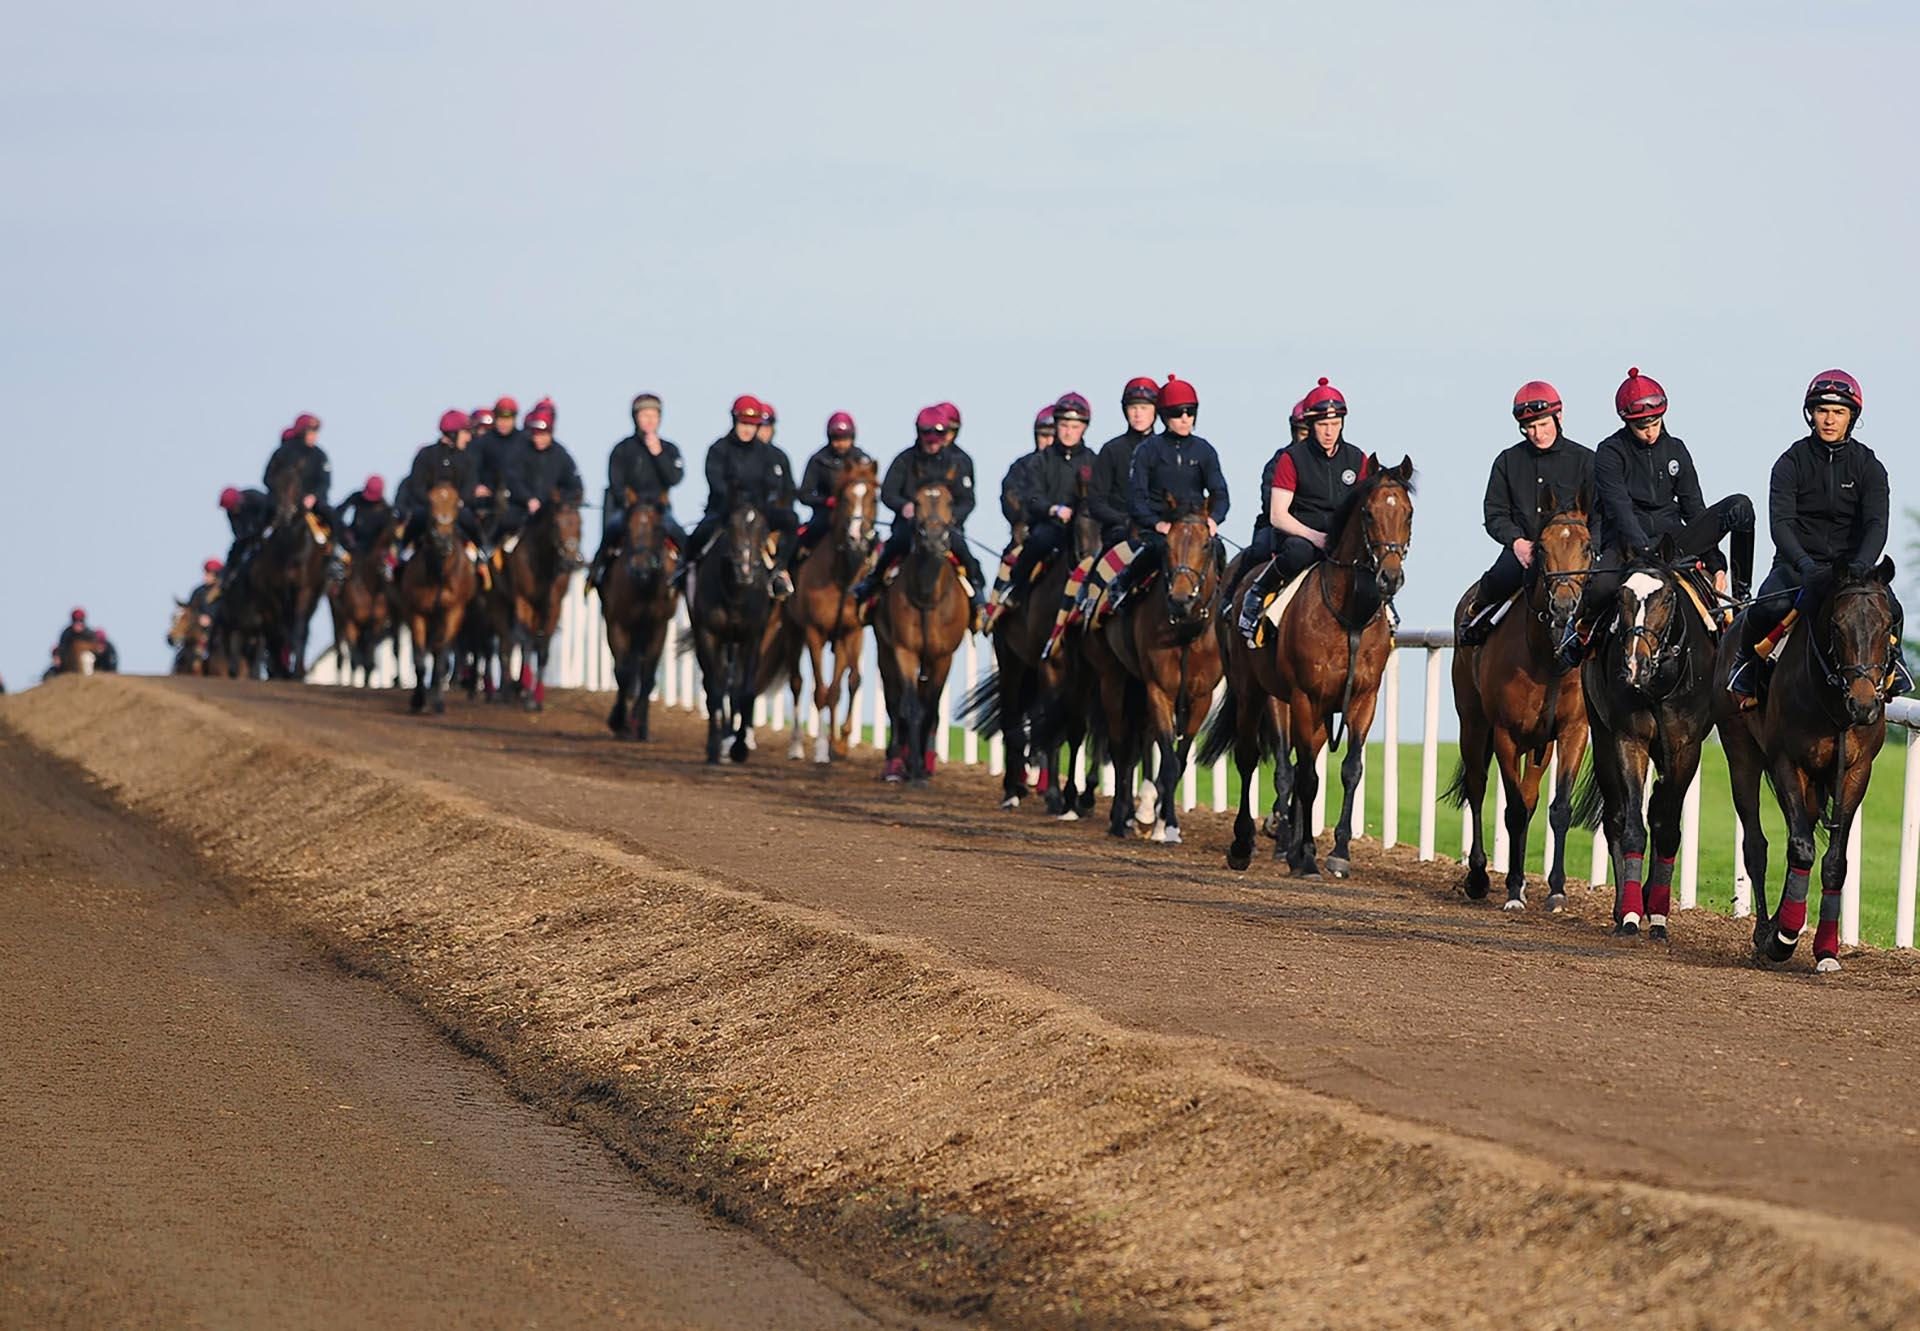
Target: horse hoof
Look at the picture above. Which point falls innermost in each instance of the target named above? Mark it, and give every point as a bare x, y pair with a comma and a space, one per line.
1338, 867
1305, 869
1270, 827
1477, 883
919, 779
1120, 831
1627, 929
1067, 816
439, 706
1170, 836
1514, 904
1056, 805
416, 705
1657, 933
738, 752
1010, 803
1777, 949
1239, 857
1556, 903
1827, 965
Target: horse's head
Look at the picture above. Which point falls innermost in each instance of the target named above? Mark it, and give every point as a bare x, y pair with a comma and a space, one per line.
1193, 569
1854, 640
1087, 536
747, 547
856, 505
287, 499
933, 520
561, 518
1562, 561
1653, 636
646, 538
181, 624
1377, 527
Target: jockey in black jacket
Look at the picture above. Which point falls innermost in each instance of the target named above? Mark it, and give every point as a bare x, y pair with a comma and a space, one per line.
743, 471
301, 461
444, 461
650, 467
932, 459
1050, 489
820, 482
540, 472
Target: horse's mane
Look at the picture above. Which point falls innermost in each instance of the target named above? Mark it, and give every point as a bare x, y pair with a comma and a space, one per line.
1357, 497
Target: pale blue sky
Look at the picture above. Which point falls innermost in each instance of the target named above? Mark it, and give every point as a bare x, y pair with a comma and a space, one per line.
218, 215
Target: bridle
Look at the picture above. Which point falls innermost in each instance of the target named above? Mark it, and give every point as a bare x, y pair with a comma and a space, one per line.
1200, 608
1840, 676
1665, 645
1553, 579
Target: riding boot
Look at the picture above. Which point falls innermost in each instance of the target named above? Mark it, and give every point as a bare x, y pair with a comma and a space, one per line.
1744, 676
1253, 599
1475, 624
1573, 648
1740, 564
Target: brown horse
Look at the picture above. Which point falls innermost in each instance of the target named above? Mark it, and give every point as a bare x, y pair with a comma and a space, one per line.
531, 590
435, 588
1814, 738
286, 578
1325, 656
822, 613
190, 634
366, 608
637, 600
1519, 706
919, 623
1158, 667
1037, 700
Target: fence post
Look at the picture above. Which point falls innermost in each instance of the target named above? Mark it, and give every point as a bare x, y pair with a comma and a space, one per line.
1541, 807
1501, 845
1390, 756
943, 737
1743, 885
1690, 846
1320, 793
1850, 887
1219, 764
1909, 846
1189, 787
1430, 755
1597, 873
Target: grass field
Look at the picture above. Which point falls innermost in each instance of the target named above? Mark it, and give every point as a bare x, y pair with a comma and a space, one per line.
1880, 833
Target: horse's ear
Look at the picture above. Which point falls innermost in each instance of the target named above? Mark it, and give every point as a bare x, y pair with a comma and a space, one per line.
1553, 504
1884, 573
1663, 548
1584, 495
1404, 472
182, 604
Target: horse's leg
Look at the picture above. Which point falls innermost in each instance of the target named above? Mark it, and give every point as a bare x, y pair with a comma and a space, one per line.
1476, 751
931, 720
1515, 781
1664, 834
1833, 867
713, 682
1359, 720
1746, 765
620, 647
1157, 743
796, 681
419, 627
1279, 816
1312, 737
746, 658
846, 661
1568, 750
1629, 766
442, 672
1795, 788
826, 694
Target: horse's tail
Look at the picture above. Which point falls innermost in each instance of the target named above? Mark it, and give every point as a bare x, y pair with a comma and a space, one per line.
982, 705
1456, 791
1589, 805
1223, 728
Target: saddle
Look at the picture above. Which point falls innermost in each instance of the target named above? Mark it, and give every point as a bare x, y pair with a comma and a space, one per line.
1697, 583
1276, 607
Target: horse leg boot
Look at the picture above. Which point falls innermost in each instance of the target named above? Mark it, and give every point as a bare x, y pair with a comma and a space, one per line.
1833, 877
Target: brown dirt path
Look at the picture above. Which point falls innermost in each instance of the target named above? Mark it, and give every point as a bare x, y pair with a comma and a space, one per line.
204, 1125
1686, 1069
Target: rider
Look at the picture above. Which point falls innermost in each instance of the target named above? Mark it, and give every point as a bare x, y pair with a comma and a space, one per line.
1544, 462
741, 470
1050, 495
1175, 473
370, 513
1645, 487
1827, 508
444, 461
821, 481
76, 628
541, 472
300, 456
1014, 509
1108, 503
649, 466
201, 599
932, 459
767, 421
494, 448
1305, 485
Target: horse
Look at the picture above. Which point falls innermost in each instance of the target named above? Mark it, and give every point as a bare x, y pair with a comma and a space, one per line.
637, 601
730, 609
285, 579
1158, 666
366, 608
1326, 655
436, 587
190, 634
919, 623
1035, 700
530, 590
1519, 706
1649, 694
822, 613
1814, 737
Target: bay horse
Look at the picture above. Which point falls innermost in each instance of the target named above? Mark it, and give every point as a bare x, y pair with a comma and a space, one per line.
190, 634
531, 590
286, 578
637, 601
1520, 707
821, 613
1649, 693
1326, 655
1036, 700
1814, 738
919, 623
366, 608
731, 608
1158, 666
436, 586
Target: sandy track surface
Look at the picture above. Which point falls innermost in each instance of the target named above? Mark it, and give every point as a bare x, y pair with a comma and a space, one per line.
1128, 1174
205, 1125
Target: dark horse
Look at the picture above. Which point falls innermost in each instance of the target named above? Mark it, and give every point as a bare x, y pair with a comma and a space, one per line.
1035, 700
530, 591
920, 622
286, 578
436, 587
731, 605
1649, 693
1815, 738
1518, 706
637, 600
1326, 655
1158, 667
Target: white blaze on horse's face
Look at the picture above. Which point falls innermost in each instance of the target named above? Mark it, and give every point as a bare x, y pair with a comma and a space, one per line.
1644, 587
856, 525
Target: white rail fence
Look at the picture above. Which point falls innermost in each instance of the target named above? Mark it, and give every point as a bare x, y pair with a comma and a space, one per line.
581, 660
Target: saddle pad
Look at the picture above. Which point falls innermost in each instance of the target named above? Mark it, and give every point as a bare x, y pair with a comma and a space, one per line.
1714, 623
1277, 604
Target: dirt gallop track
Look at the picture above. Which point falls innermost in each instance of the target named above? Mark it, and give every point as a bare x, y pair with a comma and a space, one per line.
1011, 1068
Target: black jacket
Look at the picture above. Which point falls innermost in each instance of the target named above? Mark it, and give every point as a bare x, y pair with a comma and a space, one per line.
1013, 488
308, 463
1054, 478
543, 474
493, 454
1642, 491
821, 481
436, 463
1828, 504
253, 515
751, 473
1521, 480
363, 519
914, 467
1321, 483
650, 477
1111, 471
1172, 476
